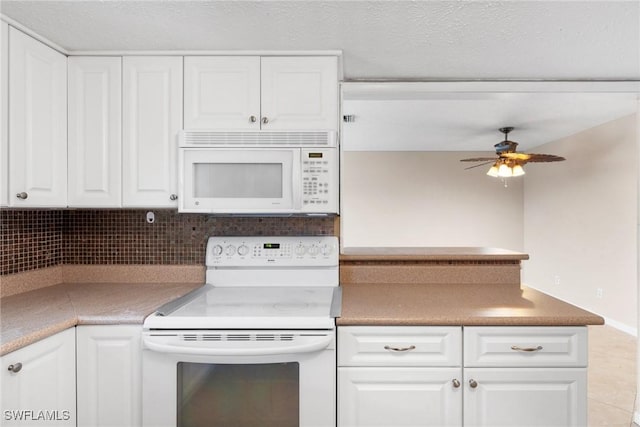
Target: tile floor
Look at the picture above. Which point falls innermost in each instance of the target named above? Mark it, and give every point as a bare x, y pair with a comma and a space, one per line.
612, 377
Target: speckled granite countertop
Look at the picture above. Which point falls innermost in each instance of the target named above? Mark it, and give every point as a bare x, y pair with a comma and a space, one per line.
31, 316
430, 254
428, 304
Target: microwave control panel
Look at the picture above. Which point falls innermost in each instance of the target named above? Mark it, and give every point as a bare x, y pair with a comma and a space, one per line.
319, 180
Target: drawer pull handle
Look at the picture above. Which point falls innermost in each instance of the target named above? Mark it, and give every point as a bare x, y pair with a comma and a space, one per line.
456, 383
473, 383
411, 347
526, 349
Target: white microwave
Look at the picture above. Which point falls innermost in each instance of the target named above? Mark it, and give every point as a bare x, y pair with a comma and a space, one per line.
258, 172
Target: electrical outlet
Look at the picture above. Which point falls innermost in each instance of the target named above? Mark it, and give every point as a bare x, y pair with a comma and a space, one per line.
599, 293
556, 280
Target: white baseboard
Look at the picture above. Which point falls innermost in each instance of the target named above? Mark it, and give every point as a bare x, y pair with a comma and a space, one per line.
621, 326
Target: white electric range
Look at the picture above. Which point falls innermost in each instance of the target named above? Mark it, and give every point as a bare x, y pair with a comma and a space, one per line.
255, 346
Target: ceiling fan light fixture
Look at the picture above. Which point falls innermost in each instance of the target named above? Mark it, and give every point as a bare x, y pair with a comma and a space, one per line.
504, 171
493, 171
518, 170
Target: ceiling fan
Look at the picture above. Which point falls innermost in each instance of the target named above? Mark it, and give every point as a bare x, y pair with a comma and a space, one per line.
509, 161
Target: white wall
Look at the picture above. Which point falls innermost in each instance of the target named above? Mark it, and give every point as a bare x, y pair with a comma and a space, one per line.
404, 198
580, 221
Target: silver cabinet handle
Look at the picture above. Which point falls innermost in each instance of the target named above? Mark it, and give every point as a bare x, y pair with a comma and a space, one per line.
253, 119
16, 367
173, 197
473, 383
526, 349
22, 195
456, 383
265, 120
411, 347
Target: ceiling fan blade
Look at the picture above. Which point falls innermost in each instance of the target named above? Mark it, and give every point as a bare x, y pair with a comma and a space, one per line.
481, 164
541, 158
480, 159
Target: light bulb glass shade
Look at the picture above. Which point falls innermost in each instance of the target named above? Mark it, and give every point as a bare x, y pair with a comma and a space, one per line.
504, 171
518, 170
493, 171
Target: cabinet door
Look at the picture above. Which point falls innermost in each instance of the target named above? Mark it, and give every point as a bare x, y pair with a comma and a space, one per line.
299, 93
152, 117
221, 92
43, 391
399, 397
4, 113
109, 375
37, 123
543, 397
94, 154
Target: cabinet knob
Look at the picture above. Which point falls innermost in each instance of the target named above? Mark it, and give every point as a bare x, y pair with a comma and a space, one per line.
473, 383
16, 367
253, 119
455, 383
265, 120
173, 197
22, 195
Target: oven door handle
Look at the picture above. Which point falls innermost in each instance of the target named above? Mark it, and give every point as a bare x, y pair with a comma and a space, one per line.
309, 345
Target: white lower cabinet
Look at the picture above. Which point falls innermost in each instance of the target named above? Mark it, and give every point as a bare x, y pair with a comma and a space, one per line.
414, 376
38, 383
542, 397
399, 376
109, 375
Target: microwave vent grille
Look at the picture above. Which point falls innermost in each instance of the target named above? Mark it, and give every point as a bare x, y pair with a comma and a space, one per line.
257, 139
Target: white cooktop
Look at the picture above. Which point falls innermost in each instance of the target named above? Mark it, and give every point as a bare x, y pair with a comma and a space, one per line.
258, 307
261, 283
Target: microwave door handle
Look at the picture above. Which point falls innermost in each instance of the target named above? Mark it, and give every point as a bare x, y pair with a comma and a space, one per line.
309, 346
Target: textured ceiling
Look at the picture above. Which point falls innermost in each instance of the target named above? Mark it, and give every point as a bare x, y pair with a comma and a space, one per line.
379, 39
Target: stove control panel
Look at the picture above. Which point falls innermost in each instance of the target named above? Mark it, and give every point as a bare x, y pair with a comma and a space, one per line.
280, 251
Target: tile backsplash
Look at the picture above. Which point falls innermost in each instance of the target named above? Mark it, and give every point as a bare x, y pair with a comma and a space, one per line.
32, 239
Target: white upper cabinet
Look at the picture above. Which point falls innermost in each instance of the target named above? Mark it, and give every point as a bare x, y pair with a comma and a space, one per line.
4, 113
152, 117
299, 93
269, 93
37, 123
94, 151
222, 92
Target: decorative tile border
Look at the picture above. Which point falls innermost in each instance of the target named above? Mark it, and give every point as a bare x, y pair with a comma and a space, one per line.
33, 239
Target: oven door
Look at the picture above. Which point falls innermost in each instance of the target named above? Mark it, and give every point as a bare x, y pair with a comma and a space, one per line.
239, 378
248, 180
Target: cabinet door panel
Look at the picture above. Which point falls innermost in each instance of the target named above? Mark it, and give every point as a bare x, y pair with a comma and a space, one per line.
152, 117
222, 92
299, 93
541, 397
43, 392
399, 397
109, 376
94, 132
37, 123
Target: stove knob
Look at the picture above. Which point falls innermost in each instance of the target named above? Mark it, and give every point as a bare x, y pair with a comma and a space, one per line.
313, 250
230, 250
300, 250
217, 250
243, 250
326, 250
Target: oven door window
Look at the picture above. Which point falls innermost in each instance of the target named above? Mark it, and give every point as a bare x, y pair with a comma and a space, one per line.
252, 395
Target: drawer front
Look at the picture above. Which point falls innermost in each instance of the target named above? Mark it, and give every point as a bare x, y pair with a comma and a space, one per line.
399, 346
525, 346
